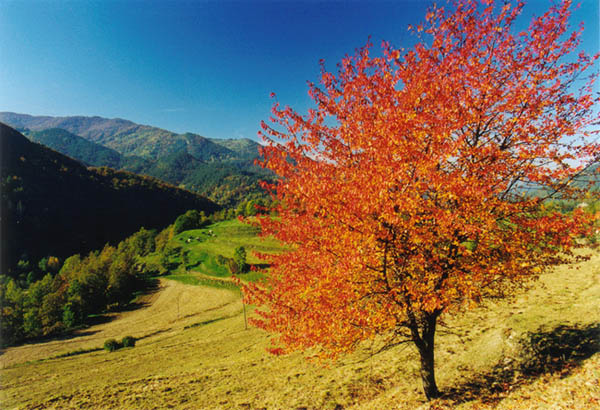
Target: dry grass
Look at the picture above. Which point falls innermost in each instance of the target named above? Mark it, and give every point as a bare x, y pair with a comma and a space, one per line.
171, 307
216, 364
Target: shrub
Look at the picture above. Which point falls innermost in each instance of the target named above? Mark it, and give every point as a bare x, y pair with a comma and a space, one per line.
128, 341
222, 260
111, 345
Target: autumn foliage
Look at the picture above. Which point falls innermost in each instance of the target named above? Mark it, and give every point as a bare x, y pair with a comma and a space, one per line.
407, 193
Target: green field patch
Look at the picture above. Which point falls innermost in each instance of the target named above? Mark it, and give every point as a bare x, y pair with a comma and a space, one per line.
210, 249
214, 265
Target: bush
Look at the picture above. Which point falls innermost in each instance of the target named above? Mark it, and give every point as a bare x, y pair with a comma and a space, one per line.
190, 220
222, 260
170, 258
128, 341
111, 345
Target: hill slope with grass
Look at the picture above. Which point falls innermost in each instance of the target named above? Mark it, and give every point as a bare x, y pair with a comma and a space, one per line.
54, 205
538, 350
201, 255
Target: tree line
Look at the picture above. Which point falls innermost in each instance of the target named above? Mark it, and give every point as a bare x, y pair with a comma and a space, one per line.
63, 299
51, 296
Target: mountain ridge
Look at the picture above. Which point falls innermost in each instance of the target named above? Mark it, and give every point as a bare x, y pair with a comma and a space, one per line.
221, 169
129, 138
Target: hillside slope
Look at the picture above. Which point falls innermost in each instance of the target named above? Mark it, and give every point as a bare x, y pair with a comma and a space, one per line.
54, 205
194, 352
76, 147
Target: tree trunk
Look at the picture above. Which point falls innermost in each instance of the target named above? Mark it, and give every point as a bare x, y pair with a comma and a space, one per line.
428, 370
425, 345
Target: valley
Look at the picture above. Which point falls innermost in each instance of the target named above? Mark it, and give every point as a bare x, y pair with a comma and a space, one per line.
45, 194
193, 349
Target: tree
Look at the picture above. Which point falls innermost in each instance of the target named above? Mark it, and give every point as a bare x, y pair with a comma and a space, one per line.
239, 259
170, 257
162, 239
192, 219
143, 241
11, 311
403, 195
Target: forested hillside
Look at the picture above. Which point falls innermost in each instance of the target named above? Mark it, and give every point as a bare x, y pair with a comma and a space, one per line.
221, 169
53, 205
129, 138
76, 147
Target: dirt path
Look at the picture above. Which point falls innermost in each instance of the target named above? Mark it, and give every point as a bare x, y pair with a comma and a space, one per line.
171, 307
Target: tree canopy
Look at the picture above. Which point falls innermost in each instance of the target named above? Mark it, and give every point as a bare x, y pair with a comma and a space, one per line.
405, 193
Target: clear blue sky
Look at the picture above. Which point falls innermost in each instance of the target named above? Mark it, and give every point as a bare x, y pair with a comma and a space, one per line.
199, 66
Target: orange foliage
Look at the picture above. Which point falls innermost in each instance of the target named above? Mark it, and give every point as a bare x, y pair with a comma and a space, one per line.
403, 195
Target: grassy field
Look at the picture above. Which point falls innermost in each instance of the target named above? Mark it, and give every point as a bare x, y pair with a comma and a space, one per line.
222, 238
537, 351
204, 246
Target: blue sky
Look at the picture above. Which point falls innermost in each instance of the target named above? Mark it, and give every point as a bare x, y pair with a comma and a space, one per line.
198, 66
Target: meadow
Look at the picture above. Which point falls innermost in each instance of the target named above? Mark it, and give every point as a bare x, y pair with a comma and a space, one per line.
539, 349
206, 249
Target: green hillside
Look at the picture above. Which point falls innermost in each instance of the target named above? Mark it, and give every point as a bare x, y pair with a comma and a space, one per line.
53, 205
226, 182
88, 152
76, 147
244, 148
172, 168
202, 254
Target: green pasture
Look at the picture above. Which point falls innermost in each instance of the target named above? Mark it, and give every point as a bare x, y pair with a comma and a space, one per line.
205, 251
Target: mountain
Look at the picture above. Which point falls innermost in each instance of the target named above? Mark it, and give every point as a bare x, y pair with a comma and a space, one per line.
54, 205
244, 148
76, 147
221, 169
131, 139
86, 151
92, 128
173, 168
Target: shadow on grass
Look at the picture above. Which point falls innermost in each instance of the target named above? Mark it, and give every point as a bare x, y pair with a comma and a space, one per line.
156, 332
76, 353
60, 336
559, 350
206, 322
150, 285
98, 319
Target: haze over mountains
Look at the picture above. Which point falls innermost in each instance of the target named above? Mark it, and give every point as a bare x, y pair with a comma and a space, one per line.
221, 169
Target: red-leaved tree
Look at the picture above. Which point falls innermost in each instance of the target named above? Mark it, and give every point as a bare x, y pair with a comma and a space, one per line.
407, 193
